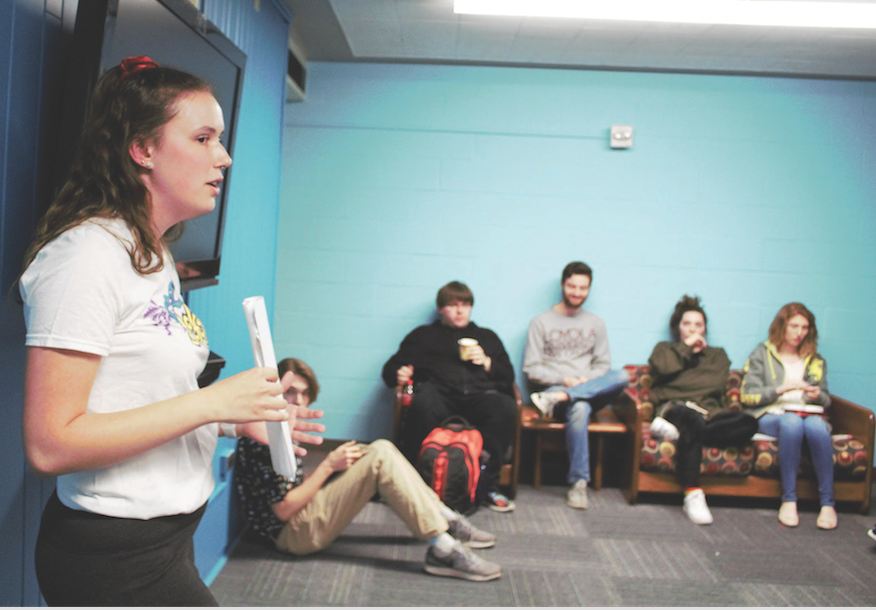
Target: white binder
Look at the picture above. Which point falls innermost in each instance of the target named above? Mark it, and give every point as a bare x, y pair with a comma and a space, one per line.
279, 434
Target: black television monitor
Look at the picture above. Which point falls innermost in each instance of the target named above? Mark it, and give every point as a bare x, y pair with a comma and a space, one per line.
173, 33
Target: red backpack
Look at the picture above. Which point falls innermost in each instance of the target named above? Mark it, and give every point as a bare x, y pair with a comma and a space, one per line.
450, 462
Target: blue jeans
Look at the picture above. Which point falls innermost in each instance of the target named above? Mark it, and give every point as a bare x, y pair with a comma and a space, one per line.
598, 391
790, 429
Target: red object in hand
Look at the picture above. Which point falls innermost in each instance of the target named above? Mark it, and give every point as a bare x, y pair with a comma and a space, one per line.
408, 393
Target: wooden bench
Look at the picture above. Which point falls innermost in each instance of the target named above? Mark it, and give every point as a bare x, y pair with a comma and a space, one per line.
636, 407
550, 435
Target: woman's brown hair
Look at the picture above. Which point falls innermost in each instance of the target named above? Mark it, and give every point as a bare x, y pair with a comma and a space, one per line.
809, 345
684, 305
131, 103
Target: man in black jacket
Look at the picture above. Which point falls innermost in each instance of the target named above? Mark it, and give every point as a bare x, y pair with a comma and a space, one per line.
475, 381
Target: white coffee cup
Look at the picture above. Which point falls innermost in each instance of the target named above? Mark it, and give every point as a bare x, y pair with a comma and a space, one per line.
465, 345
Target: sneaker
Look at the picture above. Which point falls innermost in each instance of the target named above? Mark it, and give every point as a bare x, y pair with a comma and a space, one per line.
576, 497
472, 537
660, 428
500, 503
872, 532
461, 563
545, 402
696, 509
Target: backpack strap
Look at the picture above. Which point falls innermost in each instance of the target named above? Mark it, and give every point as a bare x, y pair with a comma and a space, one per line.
457, 421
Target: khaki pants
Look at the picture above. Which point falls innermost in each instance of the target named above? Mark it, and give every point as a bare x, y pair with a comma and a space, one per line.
383, 469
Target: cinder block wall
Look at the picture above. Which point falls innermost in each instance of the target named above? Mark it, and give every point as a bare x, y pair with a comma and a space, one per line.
751, 192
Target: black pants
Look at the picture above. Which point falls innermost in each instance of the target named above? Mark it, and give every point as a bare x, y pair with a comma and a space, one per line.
84, 559
724, 429
492, 413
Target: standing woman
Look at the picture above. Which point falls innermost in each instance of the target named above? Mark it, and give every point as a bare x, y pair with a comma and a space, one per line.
111, 401
784, 371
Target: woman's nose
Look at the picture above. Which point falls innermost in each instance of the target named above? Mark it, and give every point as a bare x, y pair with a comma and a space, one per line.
224, 158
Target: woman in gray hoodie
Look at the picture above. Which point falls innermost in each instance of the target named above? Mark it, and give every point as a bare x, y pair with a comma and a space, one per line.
785, 386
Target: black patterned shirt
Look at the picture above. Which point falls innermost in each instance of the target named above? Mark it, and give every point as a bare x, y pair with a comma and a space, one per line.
259, 486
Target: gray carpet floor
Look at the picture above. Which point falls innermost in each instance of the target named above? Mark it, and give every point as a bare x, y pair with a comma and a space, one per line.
613, 554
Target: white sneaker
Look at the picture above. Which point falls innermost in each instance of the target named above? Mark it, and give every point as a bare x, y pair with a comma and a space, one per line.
576, 497
696, 509
660, 428
545, 402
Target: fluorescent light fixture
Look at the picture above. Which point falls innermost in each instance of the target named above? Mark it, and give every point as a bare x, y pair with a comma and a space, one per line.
724, 12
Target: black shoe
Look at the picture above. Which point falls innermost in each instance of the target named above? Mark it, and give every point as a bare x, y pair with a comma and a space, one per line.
872, 532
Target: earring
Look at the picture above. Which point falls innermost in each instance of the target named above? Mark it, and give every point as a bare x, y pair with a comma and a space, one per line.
147, 164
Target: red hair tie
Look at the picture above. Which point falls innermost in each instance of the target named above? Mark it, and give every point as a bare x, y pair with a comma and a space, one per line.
132, 65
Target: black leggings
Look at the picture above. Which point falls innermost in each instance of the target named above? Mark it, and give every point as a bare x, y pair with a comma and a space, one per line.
85, 559
724, 429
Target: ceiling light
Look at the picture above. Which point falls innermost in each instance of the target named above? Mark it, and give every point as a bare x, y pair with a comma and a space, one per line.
724, 12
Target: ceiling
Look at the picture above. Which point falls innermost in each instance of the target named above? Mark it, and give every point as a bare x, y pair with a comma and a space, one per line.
427, 31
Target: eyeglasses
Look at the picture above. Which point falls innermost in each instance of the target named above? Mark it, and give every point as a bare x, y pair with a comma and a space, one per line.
296, 396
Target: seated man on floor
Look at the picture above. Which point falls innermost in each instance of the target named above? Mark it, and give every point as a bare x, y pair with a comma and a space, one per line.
476, 383
568, 363
307, 514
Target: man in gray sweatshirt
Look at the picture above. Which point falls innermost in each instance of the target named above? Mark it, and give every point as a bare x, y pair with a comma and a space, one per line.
568, 363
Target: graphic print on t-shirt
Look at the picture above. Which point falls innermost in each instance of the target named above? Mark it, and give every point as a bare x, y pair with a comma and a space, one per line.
569, 344
175, 310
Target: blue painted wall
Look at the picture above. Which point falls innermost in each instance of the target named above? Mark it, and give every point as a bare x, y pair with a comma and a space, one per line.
751, 192
30, 44
31, 73
249, 244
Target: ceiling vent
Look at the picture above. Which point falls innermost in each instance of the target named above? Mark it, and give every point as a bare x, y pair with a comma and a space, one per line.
296, 75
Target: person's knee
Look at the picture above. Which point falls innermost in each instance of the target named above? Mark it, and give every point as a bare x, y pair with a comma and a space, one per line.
499, 411
791, 424
816, 426
619, 376
382, 447
506, 404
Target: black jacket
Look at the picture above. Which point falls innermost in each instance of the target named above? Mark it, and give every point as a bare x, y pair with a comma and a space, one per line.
433, 351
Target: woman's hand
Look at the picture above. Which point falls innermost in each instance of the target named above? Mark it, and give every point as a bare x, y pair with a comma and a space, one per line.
812, 392
344, 456
253, 395
697, 342
793, 385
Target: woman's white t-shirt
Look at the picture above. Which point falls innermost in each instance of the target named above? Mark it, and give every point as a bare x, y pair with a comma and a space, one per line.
793, 372
81, 293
